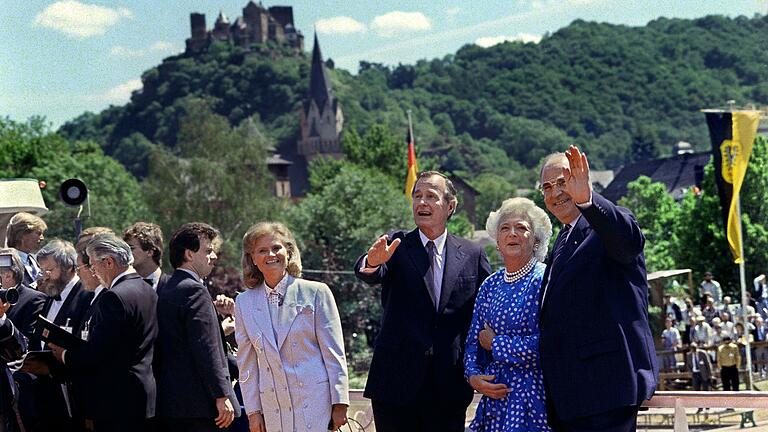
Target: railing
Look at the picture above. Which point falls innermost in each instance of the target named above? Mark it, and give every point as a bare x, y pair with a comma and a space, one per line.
360, 409
679, 401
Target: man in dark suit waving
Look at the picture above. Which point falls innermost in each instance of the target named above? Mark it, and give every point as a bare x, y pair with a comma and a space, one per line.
195, 391
121, 337
596, 348
429, 282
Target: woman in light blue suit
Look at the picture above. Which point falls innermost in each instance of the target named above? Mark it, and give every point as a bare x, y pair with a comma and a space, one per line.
293, 372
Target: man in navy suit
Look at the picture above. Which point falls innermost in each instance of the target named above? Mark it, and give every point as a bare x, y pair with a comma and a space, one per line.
596, 348
117, 355
195, 391
429, 282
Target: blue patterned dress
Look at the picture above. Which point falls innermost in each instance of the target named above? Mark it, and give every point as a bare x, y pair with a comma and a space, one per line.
512, 310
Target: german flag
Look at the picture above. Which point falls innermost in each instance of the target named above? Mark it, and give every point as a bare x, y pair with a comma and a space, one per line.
732, 135
413, 166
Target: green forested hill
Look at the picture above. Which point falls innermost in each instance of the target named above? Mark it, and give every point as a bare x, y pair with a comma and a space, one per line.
623, 93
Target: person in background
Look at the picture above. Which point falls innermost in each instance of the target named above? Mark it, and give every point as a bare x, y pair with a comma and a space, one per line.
26, 233
117, 355
146, 242
729, 360
672, 342
711, 287
293, 370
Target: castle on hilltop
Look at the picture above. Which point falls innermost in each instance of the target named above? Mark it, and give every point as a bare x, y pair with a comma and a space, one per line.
257, 25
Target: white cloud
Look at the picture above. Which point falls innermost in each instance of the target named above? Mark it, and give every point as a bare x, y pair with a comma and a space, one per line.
393, 23
80, 20
157, 47
339, 25
119, 94
489, 41
452, 12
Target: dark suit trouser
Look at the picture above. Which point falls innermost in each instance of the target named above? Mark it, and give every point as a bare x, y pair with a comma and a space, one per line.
188, 425
427, 413
699, 383
730, 377
122, 425
622, 419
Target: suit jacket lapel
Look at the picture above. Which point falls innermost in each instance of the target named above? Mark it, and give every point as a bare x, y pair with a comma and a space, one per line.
261, 317
574, 241
287, 312
64, 310
420, 259
453, 256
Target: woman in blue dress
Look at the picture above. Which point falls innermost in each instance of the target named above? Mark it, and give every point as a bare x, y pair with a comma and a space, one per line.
501, 360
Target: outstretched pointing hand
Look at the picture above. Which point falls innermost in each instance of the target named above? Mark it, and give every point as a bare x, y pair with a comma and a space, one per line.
381, 252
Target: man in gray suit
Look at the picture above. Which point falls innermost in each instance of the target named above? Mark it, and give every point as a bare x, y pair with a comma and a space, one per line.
697, 362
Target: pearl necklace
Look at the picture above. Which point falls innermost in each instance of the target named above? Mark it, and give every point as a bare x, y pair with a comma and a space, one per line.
510, 277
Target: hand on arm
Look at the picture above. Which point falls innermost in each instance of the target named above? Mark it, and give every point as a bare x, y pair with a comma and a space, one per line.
486, 337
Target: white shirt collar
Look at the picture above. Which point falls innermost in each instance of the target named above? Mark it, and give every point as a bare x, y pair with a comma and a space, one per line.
281, 288
67, 289
439, 241
129, 270
155, 275
194, 275
575, 220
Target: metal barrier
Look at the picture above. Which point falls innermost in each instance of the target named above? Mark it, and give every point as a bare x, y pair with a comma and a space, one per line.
681, 400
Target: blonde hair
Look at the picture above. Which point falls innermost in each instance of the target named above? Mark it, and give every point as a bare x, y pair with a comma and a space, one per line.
542, 227
21, 224
252, 276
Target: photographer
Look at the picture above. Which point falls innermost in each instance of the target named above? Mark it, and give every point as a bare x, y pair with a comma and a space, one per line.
13, 345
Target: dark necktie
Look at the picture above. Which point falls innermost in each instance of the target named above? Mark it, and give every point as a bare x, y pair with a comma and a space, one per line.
431, 252
149, 281
56, 297
560, 246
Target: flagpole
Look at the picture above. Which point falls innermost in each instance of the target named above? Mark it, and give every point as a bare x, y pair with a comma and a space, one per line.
410, 125
744, 303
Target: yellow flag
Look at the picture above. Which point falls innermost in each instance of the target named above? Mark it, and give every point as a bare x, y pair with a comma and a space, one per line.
413, 168
735, 155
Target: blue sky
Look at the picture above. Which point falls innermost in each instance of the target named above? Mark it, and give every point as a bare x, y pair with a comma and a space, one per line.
61, 58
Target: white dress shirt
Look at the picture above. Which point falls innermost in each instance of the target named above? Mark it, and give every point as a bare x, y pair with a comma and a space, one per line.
438, 267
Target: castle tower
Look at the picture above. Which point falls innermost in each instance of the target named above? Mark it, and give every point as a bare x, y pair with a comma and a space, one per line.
257, 22
321, 117
199, 36
221, 27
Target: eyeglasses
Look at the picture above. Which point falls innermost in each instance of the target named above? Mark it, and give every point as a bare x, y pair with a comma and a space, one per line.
549, 186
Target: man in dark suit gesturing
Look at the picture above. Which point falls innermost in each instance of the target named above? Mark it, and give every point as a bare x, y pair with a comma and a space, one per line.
121, 337
195, 391
596, 347
429, 282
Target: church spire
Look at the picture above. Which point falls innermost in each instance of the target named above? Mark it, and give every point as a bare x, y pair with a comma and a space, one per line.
319, 84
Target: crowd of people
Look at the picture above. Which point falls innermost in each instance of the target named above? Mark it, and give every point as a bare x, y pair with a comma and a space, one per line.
716, 328
152, 351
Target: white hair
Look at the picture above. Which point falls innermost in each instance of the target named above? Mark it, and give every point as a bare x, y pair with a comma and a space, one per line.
542, 227
106, 244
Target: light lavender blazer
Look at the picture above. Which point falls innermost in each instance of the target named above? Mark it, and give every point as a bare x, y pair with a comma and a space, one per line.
295, 379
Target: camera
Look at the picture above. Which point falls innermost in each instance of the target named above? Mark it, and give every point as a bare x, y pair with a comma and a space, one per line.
9, 295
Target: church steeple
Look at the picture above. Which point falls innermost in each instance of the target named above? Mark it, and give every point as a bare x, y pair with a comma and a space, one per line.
319, 85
